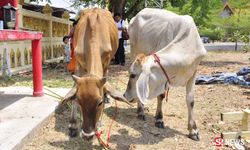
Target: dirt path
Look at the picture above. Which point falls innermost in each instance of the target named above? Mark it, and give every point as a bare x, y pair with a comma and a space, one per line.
130, 133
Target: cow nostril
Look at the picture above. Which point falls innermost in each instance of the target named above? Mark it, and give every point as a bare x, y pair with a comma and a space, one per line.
124, 95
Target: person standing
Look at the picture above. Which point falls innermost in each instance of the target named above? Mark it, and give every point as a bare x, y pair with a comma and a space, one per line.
72, 64
120, 53
66, 52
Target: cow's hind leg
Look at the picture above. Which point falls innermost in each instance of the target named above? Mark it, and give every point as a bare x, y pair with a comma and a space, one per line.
158, 115
73, 129
193, 131
140, 111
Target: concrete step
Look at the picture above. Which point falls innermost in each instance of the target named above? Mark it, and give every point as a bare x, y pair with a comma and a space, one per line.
21, 114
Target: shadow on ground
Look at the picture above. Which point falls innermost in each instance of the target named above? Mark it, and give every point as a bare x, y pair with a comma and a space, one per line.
148, 133
8, 99
62, 117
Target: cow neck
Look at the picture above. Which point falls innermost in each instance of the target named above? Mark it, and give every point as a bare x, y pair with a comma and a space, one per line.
95, 62
157, 60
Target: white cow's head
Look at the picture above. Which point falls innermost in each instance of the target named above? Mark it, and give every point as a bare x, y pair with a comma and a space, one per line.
144, 80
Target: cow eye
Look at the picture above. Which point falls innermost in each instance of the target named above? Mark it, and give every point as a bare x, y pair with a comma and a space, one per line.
100, 103
132, 75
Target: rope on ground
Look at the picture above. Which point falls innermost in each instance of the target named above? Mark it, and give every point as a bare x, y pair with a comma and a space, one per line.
59, 98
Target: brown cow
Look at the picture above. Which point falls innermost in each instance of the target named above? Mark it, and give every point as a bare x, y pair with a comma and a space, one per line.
95, 42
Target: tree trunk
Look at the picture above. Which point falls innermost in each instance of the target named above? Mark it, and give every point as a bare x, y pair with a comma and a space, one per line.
117, 6
236, 45
134, 8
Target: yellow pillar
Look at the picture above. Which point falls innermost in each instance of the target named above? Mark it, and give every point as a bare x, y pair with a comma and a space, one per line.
66, 16
48, 11
20, 16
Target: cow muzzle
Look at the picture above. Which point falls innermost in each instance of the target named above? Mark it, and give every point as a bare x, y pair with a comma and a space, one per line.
129, 99
87, 136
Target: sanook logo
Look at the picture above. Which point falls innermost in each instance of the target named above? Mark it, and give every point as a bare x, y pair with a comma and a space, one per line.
218, 142
237, 143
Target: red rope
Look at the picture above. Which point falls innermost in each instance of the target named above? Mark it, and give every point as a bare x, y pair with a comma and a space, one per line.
157, 60
98, 134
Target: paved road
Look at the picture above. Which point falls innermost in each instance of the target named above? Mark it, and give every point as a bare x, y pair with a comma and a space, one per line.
224, 46
209, 46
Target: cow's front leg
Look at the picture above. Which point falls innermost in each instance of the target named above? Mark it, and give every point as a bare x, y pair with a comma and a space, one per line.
105, 98
73, 129
193, 131
158, 115
140, 111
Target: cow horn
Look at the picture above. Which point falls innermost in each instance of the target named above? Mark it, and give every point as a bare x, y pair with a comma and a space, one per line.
103, 81
115, 94
75, 78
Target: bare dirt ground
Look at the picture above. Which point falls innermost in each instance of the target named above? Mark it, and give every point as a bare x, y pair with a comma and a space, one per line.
130, 133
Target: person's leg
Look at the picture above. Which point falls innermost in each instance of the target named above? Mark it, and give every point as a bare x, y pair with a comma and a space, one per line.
117, 56
117, 60
122, 52
65, 66
118, 53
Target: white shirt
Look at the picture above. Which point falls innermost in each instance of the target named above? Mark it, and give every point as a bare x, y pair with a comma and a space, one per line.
120, 24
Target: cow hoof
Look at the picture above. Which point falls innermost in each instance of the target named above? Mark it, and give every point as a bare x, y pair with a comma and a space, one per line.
160, 124
194, 136
72, 132
142, 117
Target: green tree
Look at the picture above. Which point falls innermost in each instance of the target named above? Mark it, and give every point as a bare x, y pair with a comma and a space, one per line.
198, 9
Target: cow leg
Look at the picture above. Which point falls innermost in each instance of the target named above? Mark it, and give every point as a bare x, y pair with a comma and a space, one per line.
140, 111
105, 98
193, 131
158, 115
73, 130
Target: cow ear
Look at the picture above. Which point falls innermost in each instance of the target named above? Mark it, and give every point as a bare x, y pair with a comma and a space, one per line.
140, 58
71, 95
103, 81
75, 78
142, 87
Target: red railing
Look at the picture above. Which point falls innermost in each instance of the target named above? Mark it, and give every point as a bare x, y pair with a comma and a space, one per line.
36, 38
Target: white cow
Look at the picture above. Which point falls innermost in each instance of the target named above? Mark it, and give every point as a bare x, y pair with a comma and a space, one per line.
176, 42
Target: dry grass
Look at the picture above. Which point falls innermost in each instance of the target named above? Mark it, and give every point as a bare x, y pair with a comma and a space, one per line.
130, 133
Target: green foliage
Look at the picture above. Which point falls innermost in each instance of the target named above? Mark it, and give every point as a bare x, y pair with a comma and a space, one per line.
237, 36
206, 14
87, 3
49, 1
213, 34
237, 23
198, 9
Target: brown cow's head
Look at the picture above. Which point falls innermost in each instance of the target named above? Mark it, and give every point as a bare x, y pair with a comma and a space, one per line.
88, 92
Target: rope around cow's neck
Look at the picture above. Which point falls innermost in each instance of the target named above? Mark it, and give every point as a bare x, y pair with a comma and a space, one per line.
98, 134
157, 60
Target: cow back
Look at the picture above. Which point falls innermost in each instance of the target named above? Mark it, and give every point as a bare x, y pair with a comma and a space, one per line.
153, 29
95, 41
